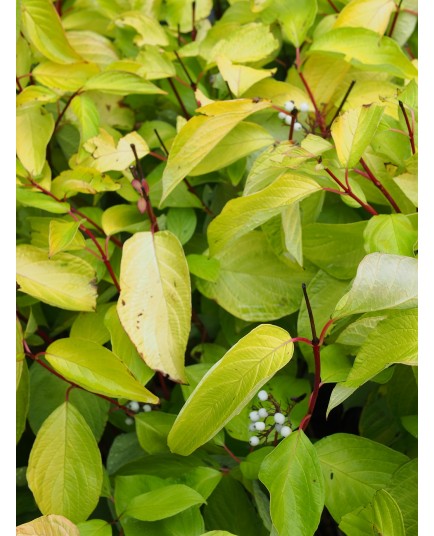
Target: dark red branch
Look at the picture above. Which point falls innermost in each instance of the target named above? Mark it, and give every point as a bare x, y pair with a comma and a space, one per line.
62, 113
349, 192
409, 128
380, 186
333, 6
178, 98
231, 454
341, 105
140, 176
395, 19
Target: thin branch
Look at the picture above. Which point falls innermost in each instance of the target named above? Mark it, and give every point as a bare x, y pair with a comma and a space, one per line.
338, 111
115, 241
395, 18
333, 6
231, 454
62, 113
20, 87
161, 142
324, 331
315, 339
410, 130
193, 16
319, 117
380, 186
349, 192
184, 68
178, 98
145, 188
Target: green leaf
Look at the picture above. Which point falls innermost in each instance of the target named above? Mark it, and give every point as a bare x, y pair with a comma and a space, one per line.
409, 422
22, 398
156, 310
381, 516
29, 198
240, 77
149, 30
221, 395
95, 368
64, 236
293, 476
295, 18
65, 470
353, 131
106, 155
254, 284
366, 51
52, 525
202, 479
359, 13
201, 134
182, 223
123, 218
64, 77
91, 325
95, 527
163, 502
237, 515
84, 180
34, 129
390, 233
87, 116
335, 248
382, 282
204, 267
34, 95
121, 83
92, 46
124, 349
152, 430
47, 392
243, 139
19, 348
403, 488
65, 281
394, 340
42, 25
242, 214
354, 468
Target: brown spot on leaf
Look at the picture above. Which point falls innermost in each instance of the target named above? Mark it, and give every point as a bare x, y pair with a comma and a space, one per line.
123, 302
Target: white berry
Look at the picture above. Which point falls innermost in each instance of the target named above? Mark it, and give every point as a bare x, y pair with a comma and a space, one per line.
252, 427
279, 418
298, 127
147, 408
289, 106
133, 405
285, 431
263, 395
254, 416
281, 115
263, 413
288, 119
129, 420
278, 427
254, 441
260, 426
304, 107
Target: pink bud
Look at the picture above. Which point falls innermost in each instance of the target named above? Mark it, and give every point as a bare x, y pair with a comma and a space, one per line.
145, 186
141, 205
137, 186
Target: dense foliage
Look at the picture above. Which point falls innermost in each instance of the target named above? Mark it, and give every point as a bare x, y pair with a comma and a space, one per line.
216, 267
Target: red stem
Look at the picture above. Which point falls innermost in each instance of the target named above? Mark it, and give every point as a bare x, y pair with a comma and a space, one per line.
231, 454
115, 241
380, 186
62, 113
20, 87
324, 331
395, 18
333, 6
139, 175
410, 130
178, 98
104, 258
349, 192
163, 385
316, 386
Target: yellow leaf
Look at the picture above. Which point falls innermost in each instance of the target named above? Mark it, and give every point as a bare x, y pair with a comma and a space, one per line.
64, 77
107, 156
154, 306
371, 14
201, 134
64, 236
149, 30
240, 77
51, 525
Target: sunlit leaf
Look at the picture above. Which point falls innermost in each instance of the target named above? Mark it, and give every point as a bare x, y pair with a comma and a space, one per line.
65, 470
240, 77
149, 30
65, 281
293, 476
51, 525
155, 309
229, 385
371, 14
70, 77
64, 236
121, 83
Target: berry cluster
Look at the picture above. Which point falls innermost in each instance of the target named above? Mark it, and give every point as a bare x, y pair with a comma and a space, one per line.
291, 114
276, 423
135, 406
